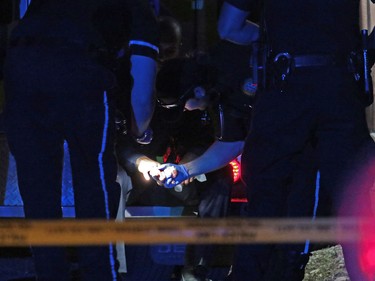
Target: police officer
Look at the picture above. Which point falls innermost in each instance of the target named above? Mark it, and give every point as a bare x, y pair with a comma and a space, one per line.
309, 94
232, 96
228, 71
58, 77
179, 136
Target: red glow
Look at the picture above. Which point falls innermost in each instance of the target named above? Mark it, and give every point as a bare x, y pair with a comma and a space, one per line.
368, 258
367, 250
239, 200
236, 168
360, 201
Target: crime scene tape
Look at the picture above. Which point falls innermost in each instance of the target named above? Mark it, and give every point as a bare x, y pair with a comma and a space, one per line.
21, 232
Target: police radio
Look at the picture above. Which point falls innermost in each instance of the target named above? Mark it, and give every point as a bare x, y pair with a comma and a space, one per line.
250, 85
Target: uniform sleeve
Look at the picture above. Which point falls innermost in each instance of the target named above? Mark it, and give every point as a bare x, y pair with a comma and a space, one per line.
144, 34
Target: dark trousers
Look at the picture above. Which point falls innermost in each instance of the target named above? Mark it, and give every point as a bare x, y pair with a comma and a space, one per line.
214, 202
54, 95
321, 105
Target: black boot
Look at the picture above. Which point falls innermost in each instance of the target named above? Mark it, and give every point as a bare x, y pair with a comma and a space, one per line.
287, 266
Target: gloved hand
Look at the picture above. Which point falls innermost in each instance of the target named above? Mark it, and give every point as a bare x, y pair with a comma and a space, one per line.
171, 175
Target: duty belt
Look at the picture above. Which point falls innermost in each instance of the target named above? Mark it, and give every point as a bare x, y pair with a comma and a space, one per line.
297, 61
316, 60
282, 64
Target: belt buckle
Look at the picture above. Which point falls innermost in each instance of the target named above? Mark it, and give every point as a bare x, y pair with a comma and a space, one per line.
283, 63
279, 56
282, 66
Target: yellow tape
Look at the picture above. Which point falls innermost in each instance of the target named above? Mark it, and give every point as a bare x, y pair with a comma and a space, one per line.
177, 230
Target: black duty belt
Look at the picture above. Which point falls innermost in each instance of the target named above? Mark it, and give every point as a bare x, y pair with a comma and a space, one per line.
283, 64
310, 60
318, 60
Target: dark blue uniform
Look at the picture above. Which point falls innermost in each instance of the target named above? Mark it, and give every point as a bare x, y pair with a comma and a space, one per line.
178, 132
57, 83
318, 101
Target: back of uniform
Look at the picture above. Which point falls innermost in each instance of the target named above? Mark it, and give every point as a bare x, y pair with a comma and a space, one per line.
58, 80
311, 96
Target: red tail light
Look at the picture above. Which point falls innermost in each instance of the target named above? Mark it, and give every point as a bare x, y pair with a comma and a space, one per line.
236, 168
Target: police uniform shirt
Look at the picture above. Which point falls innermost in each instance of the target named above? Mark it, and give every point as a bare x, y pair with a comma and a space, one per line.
97, 24
309, 27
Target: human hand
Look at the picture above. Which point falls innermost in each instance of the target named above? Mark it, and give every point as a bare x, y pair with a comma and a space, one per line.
200, 178
170, 175
187, 181
146, 165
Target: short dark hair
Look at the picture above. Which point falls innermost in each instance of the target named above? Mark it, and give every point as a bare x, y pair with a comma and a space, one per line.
170, 34
178, 75
170, 30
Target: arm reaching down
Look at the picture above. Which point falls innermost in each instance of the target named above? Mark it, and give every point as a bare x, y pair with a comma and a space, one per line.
217, 156
143, 72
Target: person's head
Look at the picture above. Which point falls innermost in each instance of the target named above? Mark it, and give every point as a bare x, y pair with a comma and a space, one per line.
170, 38
181, 85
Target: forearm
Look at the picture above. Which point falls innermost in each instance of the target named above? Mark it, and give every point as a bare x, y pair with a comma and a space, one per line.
132, 161
233, 26
217, 156
142, 96
127, 157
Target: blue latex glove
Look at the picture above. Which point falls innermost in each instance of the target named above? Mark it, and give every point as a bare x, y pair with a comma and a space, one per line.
174, 174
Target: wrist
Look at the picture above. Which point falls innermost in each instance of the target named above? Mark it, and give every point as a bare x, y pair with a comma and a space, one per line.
186, 168
146, 137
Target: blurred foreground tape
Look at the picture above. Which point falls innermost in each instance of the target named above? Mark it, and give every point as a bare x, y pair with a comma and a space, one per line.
23, 232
